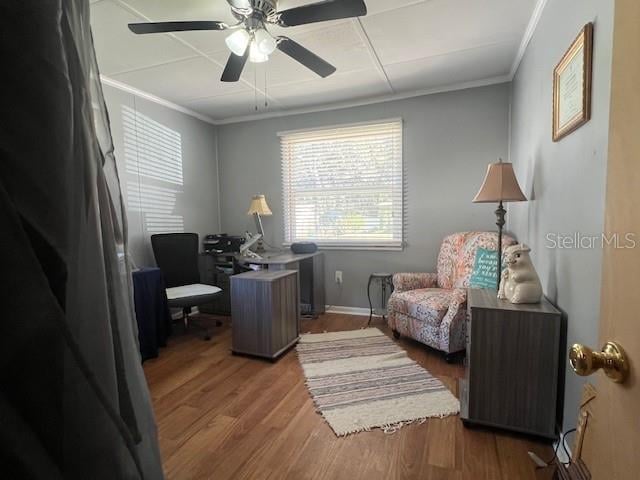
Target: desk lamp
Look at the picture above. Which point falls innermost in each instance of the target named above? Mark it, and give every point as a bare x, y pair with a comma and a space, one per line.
257, 208
500, 185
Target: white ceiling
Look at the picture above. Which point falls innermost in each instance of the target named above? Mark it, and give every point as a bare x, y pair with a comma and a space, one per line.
401, 46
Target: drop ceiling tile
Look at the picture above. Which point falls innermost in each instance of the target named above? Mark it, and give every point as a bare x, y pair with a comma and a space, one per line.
182, 80
338, 87
172, 10
341, 45
441, 26
376, 7
233, 105
118, 49
456, 68
161, 10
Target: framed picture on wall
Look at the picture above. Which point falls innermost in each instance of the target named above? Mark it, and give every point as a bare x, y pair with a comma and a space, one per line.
572, 85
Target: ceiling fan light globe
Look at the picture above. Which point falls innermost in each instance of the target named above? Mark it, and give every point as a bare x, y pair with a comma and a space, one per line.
255, 55
266, 44
238, 42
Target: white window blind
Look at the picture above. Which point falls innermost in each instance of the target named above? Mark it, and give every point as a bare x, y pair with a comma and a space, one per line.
343, 186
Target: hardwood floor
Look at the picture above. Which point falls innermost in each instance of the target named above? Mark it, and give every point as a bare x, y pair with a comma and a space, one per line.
222, 416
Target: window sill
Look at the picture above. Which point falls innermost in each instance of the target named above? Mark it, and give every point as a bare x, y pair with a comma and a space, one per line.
372, 248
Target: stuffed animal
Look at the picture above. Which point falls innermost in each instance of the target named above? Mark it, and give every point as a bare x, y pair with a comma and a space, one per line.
519, 282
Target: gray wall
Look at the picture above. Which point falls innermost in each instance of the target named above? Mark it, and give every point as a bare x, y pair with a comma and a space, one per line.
190, 205
449, 139
566, 180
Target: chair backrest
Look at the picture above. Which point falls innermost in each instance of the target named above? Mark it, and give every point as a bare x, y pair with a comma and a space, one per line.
458, 253
177, 256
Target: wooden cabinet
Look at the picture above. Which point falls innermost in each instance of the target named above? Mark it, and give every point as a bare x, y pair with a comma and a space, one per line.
265, 309
512, 365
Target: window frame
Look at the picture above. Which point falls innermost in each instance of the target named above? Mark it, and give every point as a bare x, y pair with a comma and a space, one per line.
394, 245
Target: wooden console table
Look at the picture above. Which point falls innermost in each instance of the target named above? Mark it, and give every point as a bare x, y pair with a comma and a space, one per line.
511, 373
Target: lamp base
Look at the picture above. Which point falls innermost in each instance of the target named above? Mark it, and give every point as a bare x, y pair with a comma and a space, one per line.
500, 214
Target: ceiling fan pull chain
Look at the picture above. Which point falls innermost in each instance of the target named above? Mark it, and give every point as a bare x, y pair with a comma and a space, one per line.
255, 86
266, 97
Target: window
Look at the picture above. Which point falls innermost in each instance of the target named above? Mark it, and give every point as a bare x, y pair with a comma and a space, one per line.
343, 186
153, 155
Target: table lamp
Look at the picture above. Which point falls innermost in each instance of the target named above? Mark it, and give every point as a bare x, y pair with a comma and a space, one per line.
500, 185
257, 208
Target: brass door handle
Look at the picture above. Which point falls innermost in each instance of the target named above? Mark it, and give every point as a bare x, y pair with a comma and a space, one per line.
612, 360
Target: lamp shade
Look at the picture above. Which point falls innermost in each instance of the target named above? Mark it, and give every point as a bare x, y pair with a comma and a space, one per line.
265, 43
259, 206
255, 55
238, 42
500, 185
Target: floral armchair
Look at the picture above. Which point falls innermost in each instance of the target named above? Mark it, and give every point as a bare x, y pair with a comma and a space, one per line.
430, 307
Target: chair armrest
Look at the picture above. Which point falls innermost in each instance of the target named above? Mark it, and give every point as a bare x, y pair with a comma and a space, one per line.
412, 281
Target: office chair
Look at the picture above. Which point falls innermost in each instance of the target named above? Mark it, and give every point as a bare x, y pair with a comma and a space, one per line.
177, 257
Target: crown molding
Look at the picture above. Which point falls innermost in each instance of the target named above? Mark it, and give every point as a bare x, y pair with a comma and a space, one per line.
526, 38
368, 101
298, 111
155, 99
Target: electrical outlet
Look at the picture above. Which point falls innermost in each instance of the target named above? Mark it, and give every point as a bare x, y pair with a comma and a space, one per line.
339, 277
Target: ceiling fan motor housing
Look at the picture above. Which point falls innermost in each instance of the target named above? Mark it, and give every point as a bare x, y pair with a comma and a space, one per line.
262, 11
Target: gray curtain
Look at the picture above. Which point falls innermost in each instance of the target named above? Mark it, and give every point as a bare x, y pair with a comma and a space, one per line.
73, 398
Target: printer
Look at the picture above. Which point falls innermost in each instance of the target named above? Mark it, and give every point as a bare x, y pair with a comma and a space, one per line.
222, 243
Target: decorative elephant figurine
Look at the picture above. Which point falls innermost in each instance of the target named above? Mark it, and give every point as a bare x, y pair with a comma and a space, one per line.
519, 282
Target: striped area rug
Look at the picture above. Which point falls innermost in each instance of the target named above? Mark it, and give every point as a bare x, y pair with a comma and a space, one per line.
361, 380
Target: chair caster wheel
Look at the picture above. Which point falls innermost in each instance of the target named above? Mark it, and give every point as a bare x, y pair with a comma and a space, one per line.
218, 323
207, 338
396, 334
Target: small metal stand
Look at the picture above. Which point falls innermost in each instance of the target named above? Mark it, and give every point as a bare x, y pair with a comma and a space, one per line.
386, 280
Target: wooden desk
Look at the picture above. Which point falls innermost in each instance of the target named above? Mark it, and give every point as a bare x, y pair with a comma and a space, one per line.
310, 267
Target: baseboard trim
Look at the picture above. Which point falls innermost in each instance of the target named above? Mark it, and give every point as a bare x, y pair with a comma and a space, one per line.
348, 310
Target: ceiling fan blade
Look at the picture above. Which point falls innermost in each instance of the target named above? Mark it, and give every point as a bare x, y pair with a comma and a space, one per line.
163, 27
305, 57
321, 12
234, 67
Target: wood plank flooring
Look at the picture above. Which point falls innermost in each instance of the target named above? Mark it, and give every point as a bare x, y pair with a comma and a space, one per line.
229, 417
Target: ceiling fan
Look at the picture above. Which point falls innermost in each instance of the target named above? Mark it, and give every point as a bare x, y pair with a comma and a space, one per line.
252, 41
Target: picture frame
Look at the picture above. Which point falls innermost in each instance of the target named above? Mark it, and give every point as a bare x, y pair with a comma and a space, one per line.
572, 78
